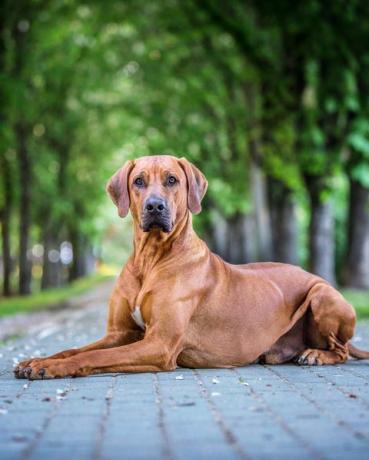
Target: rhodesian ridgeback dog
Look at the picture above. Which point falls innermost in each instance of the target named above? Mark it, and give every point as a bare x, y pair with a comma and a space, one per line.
177, 304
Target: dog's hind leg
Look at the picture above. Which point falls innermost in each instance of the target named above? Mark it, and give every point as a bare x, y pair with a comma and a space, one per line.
287, 347
329, 326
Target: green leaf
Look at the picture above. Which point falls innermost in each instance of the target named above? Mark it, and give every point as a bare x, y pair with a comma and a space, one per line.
359, 143
360, 172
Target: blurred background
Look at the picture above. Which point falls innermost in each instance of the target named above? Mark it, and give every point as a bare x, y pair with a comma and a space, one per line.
270, 99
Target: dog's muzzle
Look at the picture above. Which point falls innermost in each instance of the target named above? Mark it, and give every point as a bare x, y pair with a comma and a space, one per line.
156, 214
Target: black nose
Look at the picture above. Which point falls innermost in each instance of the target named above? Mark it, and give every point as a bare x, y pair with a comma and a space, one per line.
155, 205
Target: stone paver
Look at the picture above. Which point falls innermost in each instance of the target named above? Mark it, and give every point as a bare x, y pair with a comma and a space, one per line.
255, 412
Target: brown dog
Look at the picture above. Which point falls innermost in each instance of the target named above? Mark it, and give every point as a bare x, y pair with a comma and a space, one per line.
176, 303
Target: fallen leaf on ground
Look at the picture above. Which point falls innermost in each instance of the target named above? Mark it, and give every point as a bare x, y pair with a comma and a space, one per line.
19, 438
60, 394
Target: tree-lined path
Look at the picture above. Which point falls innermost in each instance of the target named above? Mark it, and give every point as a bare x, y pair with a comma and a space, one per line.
270, 102
255, 412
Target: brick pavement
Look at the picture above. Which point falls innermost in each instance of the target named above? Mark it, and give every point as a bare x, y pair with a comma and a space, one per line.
255, 412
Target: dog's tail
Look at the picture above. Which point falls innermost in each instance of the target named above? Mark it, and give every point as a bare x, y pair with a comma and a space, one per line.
357, 353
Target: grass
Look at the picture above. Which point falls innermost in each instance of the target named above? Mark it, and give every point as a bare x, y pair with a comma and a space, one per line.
359, 299
49, 298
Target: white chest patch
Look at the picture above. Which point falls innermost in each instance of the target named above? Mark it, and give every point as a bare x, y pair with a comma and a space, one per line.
137, 317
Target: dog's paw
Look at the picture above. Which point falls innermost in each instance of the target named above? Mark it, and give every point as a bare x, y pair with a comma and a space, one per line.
309, 357
51, 369
19, 370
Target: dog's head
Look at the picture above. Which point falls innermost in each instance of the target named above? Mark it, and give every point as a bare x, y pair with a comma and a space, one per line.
159, 191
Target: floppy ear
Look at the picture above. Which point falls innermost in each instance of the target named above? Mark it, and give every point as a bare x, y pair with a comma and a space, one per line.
197, 185
117, 187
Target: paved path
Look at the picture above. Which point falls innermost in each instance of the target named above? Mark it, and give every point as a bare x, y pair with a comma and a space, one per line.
255, 412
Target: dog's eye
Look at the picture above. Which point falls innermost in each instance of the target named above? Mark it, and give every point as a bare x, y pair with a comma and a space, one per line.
171, 180
139, 182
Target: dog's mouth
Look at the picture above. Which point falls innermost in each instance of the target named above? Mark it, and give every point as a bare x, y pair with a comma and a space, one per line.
152, 223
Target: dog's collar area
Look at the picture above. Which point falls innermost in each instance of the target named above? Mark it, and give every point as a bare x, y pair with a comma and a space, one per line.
137, 317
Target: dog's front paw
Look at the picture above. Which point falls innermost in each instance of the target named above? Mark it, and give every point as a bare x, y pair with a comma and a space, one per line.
51, 369
19, 370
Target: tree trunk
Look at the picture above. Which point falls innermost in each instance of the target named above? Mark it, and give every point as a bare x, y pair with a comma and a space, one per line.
284, 223
51, 267
321, 236
216, 234
7, 189
46, 269
357, 269
246, 238
21, 49
83, 258
258, 185
5, 238
7, 262
89, 257
25, 181
76, 269
5, 225
52, 270
261, 213
240, 239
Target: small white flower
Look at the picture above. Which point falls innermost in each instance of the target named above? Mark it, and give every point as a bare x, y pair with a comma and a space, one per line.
179, 377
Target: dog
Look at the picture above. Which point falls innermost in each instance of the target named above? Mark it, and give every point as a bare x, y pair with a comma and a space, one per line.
176, 303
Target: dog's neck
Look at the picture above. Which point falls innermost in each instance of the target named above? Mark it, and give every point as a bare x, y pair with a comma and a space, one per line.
153, 247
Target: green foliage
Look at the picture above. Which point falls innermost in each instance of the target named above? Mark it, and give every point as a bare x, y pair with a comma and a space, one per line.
255, 83
359, 300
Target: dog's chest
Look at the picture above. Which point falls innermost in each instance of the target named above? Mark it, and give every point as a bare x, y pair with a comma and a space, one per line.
137, 317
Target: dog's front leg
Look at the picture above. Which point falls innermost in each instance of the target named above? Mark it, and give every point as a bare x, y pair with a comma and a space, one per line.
121, 330
110, 340
147, 355
157, 351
